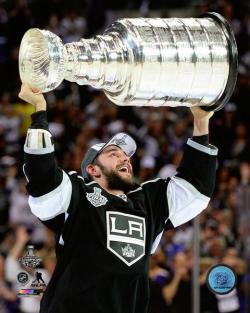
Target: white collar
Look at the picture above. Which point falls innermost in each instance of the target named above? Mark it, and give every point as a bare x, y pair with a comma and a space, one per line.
123, 197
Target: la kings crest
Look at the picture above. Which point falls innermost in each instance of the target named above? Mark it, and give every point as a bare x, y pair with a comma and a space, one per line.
126, 236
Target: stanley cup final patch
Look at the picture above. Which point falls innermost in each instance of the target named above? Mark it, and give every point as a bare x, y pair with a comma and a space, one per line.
96, 198
126, 236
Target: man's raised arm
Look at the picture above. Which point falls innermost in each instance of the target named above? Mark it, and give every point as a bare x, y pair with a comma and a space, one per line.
189, 191
49, 187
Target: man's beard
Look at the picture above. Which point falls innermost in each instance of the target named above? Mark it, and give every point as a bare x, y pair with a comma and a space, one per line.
116, 181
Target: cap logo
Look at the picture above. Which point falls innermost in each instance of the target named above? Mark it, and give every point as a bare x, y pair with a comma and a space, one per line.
120, 141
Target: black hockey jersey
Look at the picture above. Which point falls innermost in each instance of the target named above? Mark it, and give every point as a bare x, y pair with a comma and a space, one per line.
104, 242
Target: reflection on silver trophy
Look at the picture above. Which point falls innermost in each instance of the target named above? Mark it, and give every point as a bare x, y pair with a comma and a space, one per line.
141, 61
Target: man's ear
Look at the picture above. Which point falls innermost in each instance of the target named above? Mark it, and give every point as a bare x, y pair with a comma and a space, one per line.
93, 170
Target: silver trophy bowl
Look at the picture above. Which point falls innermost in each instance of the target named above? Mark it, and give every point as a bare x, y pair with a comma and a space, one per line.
41, 59
141, 61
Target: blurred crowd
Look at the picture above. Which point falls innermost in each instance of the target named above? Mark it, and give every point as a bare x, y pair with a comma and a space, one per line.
80, 116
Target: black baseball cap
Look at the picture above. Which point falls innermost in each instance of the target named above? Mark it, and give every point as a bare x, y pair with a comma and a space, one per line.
121, 140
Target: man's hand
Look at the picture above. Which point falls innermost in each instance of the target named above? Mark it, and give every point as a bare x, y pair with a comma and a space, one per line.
201, 121
33, 97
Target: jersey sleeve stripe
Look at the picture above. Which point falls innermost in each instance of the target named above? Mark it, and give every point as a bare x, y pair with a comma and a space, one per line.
156, 242
212, 150
80, 177
137, 189
25, 173
38, 141
150, 181
184, 200
53, 203
61, 241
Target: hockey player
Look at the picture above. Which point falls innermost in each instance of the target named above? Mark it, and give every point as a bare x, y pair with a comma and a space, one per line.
106, 226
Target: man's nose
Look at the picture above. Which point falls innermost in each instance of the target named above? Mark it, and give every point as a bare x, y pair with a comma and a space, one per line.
125, 158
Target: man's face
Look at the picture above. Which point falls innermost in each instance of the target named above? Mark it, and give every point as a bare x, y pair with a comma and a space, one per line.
116, 167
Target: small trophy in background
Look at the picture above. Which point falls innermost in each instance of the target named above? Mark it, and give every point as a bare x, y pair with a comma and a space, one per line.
141, 61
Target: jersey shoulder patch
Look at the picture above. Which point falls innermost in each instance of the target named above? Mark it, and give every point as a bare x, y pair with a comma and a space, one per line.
96, 198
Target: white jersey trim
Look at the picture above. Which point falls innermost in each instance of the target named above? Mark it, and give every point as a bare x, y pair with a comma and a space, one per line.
61, 241
72, 172
137, 189
146, 182
90, 183
39, 151
150, 181
25, 173
80, 177
156, 242
184, 201
53, 203
212, 150
38, 141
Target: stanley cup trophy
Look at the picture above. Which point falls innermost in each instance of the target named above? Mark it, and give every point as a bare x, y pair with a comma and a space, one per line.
141, 61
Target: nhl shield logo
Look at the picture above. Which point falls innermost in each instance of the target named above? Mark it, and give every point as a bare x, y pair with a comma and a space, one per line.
96, 198
126, 236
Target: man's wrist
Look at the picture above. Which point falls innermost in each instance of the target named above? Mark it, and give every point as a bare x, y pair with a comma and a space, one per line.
201, 127
39, 120
202, 140
41, 106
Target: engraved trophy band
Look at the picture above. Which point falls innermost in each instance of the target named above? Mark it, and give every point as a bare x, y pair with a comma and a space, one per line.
141, 61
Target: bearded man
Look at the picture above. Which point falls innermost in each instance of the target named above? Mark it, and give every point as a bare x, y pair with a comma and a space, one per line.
106, 226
